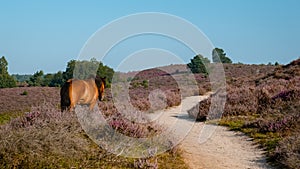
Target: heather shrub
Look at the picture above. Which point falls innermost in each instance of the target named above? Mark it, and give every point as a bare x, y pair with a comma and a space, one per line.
145, 83
130, 128
263, 102
46, 137
240, 101
132, 123
287, 152
146, 163
271, 124
12, 101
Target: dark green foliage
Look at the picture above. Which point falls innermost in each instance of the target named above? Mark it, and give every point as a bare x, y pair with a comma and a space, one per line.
25, 93
36, 79
145, 83
198, 64
47, 79
51, 80
129, 79
5, 79
105, 71
57, 79
219, 56
84, 69
3, 65
68, 74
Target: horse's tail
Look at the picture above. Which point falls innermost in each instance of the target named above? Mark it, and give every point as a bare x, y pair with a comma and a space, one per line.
65, 100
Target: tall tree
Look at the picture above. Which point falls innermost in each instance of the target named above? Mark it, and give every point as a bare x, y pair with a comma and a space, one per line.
5, 79
219, 56
198, 64
68, 74
3, 65
105, 71
84, 69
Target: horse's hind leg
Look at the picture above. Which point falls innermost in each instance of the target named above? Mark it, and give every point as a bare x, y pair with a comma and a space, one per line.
92, 105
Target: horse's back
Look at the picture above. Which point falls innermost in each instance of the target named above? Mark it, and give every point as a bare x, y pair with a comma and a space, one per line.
79, 92
84, 90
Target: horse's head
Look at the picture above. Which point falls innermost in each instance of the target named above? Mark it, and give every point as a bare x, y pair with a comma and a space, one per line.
100, 82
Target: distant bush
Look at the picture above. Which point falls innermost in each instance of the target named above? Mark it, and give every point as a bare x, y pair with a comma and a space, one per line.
25, 93
145, 83
37, 79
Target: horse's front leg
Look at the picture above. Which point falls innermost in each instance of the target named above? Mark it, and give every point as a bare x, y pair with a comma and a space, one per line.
72, 107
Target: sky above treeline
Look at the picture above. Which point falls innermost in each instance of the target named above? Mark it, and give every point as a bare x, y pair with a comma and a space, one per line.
45, 35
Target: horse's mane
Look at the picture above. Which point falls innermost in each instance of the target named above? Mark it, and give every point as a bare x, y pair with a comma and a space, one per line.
99, 80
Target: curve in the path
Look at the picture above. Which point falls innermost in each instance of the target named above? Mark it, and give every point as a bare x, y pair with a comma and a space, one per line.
224, 149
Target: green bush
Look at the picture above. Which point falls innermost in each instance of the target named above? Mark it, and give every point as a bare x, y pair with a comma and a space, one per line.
198, 64
7, 81
25, 93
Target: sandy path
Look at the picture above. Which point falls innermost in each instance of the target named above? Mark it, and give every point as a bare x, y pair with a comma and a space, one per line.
222, 149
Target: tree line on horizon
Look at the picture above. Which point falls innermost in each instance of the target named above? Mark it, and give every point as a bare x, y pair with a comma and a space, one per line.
81, 69
85, 69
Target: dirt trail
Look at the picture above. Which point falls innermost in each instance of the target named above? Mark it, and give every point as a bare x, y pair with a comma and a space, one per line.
223, 149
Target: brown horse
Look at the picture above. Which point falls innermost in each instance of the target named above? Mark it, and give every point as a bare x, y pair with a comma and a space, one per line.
84, 92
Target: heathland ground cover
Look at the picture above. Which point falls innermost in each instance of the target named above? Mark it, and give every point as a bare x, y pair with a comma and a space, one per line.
262, 101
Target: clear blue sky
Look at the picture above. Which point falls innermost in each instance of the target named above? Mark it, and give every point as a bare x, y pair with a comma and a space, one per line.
45, 35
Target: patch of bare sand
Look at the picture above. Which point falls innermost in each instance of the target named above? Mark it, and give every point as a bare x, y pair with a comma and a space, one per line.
223, 150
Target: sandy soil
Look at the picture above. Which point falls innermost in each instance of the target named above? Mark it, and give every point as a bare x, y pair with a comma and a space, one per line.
208, 146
